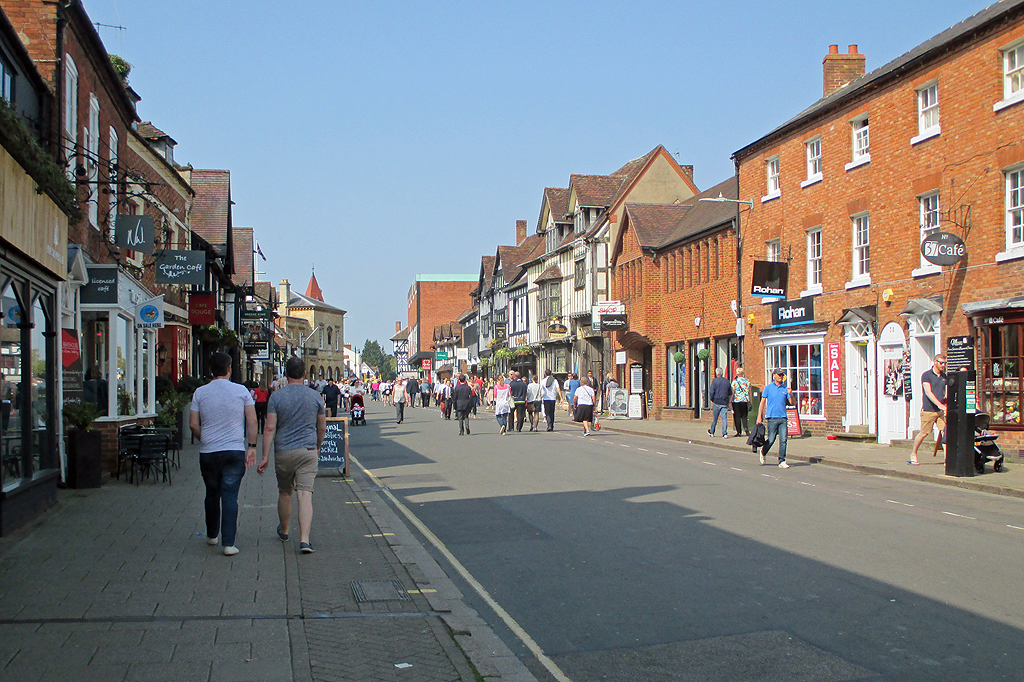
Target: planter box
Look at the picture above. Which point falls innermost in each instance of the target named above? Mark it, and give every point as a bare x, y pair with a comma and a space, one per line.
85, 461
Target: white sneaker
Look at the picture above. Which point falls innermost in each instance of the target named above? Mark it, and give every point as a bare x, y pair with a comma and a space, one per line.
764, 460
230, 550
783, 465
502, 432
211, 541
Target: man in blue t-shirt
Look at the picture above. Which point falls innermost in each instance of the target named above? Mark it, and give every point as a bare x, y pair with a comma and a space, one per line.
772, 413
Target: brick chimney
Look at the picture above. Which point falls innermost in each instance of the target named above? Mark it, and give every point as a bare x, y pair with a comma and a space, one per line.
520, 231
398, 327
840, 69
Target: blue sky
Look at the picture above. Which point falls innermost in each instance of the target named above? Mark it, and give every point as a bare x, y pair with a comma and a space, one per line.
379, 140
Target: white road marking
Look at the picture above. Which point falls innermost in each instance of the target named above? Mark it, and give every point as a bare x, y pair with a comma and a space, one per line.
806, 483
623, 445
961, 516
1014, 527
711, 463
767, 475
665, 454
735, 469
643, 449
684, 458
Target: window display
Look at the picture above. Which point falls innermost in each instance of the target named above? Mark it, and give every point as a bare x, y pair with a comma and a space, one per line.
1000, 354
802, 365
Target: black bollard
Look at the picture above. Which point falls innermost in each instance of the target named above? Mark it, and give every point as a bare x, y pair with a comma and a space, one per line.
959, 424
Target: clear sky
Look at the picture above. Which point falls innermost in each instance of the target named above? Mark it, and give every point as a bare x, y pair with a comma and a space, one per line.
378, 140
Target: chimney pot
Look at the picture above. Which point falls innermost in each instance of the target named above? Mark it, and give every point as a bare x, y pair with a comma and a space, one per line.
840, 69
398, 327
833, 49
853, 49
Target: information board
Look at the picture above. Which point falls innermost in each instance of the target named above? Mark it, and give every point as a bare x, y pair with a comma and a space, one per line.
636, 406
334, 449
618, 401
959, 353
793, 427
636, 378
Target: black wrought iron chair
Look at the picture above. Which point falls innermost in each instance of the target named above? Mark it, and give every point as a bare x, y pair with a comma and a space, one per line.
152, 457
173, 451
127, 447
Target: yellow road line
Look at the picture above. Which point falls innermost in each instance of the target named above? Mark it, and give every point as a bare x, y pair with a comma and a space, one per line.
378, 535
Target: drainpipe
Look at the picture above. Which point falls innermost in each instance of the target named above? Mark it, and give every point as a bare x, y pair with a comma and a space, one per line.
739, 265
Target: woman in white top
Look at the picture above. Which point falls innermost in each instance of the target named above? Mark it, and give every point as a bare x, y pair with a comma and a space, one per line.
502, 404
583, 405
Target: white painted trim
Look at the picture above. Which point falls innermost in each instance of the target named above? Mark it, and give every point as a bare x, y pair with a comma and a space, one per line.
926, 135
816, 290
858, 282
1012, 254
859, 162
768, 197
811, 181
925, 271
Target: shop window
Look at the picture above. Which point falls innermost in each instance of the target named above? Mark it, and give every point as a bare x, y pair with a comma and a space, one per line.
1001, 354
42, 359
676, 375
10, 415
125, 377
802, 365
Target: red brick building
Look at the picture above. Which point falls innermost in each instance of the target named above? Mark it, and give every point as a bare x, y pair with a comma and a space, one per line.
845, 193
434, 300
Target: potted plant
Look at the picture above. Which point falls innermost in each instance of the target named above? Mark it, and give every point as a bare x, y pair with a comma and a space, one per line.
704, 354
172, 404
84, 446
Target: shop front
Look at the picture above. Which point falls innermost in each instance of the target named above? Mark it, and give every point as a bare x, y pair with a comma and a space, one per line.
798, 352
924, 331
999, 339
858, 325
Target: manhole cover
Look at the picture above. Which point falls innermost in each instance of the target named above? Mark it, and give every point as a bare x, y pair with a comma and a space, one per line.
379, 590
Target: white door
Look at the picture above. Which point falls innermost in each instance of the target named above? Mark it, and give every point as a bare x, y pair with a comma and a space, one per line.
922, 350
892, 404
858, 384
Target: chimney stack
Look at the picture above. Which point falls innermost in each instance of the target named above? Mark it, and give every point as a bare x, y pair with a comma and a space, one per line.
398, 327
285, 292
840, 69
520, 231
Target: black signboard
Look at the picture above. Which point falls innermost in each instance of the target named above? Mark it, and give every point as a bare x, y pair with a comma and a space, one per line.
102, 286
135, 232
770, 279
614, 323
943, 248
181, 267
786, 313
959, 353
501, 330
334, 449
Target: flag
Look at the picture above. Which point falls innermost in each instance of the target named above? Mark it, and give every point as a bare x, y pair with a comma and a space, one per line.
260, 251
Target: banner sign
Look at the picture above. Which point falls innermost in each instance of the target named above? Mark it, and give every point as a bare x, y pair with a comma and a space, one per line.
614, 323
135, 232
202, 309
181, 267
770, 279
150, 314
835, 370
787, 313
959, 354
71, 366
618, 401
943, 248
102, 286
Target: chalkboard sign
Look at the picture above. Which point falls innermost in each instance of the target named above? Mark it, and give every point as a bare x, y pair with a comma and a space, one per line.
959, 353
334, 449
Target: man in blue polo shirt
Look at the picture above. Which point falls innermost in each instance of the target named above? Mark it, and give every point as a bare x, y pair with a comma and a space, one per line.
772, 413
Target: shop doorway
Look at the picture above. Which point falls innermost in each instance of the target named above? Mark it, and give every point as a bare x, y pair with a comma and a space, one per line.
892, 404
699, 382
924, 340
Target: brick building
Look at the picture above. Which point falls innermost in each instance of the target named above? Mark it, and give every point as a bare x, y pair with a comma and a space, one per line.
845, 193
434, 300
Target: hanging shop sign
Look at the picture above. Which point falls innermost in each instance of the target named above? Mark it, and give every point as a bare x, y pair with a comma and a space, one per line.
501, 331
180, 267
835, 369
943, 248
202, 309
557, 330
71, 366
426, 365
614, 323
102, 286
769, 279
150, 314
135, 232
959, 354
254, 332
788, 313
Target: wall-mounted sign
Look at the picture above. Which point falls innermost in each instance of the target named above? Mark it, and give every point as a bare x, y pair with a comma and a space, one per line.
786, 313
135, 232
943, 248
835, 369
610, 308
614, 323
102, 286
959, 353
636, 378
557, 330
501, 330
426, 365
180, 267
769, 279
462, 354
202, 309
150, 314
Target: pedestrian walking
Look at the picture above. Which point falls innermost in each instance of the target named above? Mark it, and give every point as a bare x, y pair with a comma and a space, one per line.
462, 397
425, 393
518, 391
332, 394
741, 402
446, 398
583, 405
933, 405
550, 392
720, 393
296, 424
571, 384
772, 412
412, 389
223, 418
261, 395
398, 395
533, 402
502, 404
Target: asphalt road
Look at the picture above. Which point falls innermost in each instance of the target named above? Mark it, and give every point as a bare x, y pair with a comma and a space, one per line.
627, 558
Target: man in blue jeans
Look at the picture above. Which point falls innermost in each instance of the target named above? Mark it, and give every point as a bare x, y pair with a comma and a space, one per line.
772, 413
720, 394
223, 418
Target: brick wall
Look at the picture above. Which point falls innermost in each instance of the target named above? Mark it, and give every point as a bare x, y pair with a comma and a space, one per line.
439, 303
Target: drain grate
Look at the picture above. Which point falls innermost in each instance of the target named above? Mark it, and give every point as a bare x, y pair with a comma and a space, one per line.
379, 590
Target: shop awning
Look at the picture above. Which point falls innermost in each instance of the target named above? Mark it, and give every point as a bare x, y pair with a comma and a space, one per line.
923, 306
420, 357
994, 304
861, 315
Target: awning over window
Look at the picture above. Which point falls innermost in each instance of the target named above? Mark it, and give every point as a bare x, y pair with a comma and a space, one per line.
995, 304
923, 306
864, 314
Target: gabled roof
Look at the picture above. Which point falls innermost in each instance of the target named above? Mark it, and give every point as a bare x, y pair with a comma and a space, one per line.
301, 301
486, 272
261, 291
467, 314
149, 131
596, 190
557, 201
313, 289
705, 215
211, 210
242, 238
933, 48
513, 259
401, 336
553, 272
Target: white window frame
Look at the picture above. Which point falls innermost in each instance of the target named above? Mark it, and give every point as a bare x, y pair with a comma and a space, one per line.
70, 115
1012, 58
92, 160
812, 153
773, 250
112, 186
773, 358
860, 141
861, 251
814, 262
1014, 202
6, 80
929, 210
927, 112
772, 179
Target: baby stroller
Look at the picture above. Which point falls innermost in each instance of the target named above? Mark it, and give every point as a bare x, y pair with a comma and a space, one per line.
985, 448
356, 410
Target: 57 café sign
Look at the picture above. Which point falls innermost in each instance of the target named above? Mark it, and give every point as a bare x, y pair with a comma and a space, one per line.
943, 248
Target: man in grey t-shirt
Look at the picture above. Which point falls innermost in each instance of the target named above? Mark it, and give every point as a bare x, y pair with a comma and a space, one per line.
296, 424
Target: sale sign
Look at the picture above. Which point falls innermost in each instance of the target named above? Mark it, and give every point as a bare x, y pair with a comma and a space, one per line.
835, 370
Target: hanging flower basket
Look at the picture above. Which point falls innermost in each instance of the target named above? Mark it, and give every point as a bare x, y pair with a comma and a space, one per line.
503, 354
703, 354
520, 351
679, 357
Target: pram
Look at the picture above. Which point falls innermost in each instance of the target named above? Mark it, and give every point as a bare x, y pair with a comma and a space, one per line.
356, 410
985, 448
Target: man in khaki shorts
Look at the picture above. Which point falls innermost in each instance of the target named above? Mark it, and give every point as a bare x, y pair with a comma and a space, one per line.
296, 424
933, 403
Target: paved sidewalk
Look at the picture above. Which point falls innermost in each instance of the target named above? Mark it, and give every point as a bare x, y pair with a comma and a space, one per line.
869, 458
119, 584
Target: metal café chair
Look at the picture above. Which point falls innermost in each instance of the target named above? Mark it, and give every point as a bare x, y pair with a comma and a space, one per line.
127, 447
152, 456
